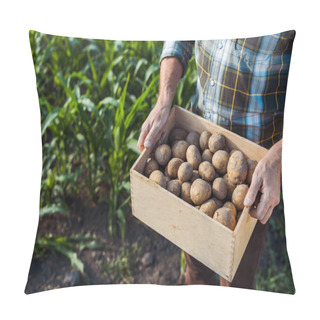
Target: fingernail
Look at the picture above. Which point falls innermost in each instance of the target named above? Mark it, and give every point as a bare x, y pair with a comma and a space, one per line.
247, 201
147, 144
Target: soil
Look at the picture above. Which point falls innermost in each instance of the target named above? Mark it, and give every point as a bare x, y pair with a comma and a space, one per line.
143, 256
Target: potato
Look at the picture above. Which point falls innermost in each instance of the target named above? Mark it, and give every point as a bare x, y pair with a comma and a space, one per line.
218, 202
185, 172
206, 171
174, 187
167, 179
239, 195
195, 175
166, 173
216, 142
219, 188
163, 154
186, 192
193, 156
220, 161
179, 149
209, 207
237, 167
197, 207
217, 175
193, 138
207, 155
231, 206
158, 177
226, 148
204, 138
225, 216
251, 167
173, 167
232, 151
177, 134
200, 191
150, 167
230, 186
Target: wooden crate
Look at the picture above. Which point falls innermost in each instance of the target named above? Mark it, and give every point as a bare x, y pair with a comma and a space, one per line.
208, 241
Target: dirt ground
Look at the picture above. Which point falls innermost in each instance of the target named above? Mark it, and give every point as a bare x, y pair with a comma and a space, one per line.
142, 257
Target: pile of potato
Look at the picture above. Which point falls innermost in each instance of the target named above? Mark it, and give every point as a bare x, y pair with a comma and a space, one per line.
201, 170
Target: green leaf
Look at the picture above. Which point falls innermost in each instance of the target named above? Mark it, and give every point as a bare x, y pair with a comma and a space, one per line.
120, 116
50, 117
90, 245
137, 105
93, 69
73, 257
52, 209
125, 185
86, 102
108, 100
141, 62
117, 139
80, 138
151, 70
61, 80
132, 145
86, 124
110, 67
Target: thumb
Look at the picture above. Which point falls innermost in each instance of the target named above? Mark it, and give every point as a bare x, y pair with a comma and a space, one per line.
252, 192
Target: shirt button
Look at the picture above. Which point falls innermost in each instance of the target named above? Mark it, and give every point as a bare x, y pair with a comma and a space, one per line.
220, 45
212, 83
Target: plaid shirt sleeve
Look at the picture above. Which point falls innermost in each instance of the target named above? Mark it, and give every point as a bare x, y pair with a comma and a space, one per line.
182, 50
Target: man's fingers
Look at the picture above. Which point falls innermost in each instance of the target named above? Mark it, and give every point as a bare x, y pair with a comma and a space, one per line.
147, 137
263, 207
149, 141
141, 140
252, 192
267, 215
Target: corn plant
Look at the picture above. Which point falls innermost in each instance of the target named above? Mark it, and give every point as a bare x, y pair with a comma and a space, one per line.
94, 96
70, 247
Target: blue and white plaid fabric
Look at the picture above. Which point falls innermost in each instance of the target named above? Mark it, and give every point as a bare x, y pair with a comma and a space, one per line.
241, 83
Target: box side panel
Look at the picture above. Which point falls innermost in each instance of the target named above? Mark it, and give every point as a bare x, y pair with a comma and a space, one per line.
188, 228
242, 236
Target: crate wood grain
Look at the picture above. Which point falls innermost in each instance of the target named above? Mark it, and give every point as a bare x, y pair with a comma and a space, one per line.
208, 241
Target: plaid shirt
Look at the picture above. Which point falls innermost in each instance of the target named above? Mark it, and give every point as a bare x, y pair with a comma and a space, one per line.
241, 83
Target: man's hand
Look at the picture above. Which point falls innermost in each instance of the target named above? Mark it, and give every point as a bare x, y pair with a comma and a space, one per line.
170, 73
153, 125
266, 179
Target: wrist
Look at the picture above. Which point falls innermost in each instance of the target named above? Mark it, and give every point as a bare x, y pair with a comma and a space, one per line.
164, 102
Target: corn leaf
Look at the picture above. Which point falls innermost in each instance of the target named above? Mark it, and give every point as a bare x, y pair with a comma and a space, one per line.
50, 117
52, 209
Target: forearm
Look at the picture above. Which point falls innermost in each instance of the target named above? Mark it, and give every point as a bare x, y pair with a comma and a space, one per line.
170, 73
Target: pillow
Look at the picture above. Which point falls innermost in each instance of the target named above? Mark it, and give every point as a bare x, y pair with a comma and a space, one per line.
94, 97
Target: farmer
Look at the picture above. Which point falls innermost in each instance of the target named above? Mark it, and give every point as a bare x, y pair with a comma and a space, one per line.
241, 86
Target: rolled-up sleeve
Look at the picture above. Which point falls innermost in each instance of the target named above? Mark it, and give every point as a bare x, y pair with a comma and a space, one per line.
180, 49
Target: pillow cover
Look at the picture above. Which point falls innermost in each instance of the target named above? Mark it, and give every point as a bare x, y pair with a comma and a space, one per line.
94, 97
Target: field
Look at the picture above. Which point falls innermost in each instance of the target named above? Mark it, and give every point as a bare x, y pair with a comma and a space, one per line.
94, 96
